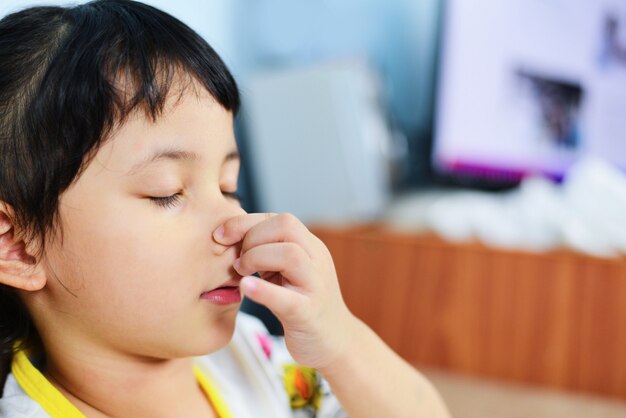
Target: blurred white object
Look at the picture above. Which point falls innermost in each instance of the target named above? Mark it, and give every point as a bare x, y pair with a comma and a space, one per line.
319, 144
586, 213
597, 193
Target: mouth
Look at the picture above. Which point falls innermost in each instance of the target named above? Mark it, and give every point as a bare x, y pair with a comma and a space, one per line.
226, 294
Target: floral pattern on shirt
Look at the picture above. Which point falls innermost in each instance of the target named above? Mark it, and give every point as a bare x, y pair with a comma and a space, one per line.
303, 386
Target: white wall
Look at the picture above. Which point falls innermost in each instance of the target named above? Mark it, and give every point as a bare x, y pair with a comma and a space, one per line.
211, 19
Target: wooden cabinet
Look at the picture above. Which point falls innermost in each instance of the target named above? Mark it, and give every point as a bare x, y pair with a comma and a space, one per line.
553, 319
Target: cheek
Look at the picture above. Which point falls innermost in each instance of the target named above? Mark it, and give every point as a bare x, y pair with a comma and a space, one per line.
124, 262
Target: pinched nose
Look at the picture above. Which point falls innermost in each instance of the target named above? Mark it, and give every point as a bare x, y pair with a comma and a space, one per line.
238, 211
230, 252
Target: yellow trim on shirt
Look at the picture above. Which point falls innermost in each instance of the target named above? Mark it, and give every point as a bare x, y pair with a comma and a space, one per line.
57, 405
41, 390
211, 391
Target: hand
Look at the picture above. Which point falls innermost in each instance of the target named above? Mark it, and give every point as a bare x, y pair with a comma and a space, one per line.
299, 283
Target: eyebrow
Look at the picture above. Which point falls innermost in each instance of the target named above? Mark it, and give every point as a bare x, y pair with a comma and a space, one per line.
175, 154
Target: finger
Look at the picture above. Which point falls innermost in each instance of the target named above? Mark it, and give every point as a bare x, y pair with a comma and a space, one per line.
235, 228
288, 305
283, 227
286, 258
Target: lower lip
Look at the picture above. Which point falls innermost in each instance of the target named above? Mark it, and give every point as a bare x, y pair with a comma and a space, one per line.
223, 296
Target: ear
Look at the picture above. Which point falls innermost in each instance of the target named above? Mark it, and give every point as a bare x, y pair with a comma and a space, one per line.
18, 269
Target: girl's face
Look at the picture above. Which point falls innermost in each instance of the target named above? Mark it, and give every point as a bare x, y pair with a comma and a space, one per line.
130, 270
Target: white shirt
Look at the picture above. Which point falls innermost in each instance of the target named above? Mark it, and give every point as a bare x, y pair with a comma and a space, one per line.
254, 376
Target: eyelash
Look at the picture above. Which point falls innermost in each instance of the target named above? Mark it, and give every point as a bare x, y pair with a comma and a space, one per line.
171, 201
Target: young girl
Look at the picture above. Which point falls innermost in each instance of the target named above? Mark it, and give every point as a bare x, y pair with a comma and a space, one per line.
124, 252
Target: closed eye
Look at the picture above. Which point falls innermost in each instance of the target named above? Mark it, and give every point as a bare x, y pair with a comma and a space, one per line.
168, 201
171, 201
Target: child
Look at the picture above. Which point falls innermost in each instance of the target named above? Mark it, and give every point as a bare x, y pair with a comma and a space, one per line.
124, 251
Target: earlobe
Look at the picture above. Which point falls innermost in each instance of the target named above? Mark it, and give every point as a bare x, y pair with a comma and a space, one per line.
21, 280
18, 269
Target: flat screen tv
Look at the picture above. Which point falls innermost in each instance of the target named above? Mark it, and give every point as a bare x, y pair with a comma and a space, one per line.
529, 87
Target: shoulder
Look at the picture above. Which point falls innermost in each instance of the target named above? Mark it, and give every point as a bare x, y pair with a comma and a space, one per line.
15, 403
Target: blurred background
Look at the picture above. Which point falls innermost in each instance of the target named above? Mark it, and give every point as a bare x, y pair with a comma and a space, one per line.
464, 162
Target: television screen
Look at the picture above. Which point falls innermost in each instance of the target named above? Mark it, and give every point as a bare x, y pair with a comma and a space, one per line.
530, 86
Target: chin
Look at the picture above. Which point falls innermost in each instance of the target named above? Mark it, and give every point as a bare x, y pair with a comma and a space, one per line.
216, 336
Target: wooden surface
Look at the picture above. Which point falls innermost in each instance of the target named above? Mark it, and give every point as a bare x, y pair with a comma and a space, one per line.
470, 397
554, 319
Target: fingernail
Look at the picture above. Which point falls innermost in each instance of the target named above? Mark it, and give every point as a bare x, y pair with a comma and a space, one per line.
219, 233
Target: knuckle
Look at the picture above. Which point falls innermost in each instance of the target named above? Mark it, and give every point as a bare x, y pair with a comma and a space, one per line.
321, 245
293, 254
245, 260
288, 219
246, 241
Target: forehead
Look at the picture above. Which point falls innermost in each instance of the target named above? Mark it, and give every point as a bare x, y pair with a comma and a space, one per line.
192, 126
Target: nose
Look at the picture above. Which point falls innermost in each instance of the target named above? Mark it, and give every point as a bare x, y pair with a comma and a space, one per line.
228, 211
231, 212
238, 211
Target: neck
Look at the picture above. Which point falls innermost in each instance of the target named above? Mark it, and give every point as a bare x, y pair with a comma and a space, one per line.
114, 385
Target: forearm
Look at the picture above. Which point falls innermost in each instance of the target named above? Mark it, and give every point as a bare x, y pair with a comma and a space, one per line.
370, 380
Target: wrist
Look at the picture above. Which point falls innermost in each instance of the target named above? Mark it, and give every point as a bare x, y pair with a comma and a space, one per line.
348, 348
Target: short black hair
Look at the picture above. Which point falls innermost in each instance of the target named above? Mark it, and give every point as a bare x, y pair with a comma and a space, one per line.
68, 75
